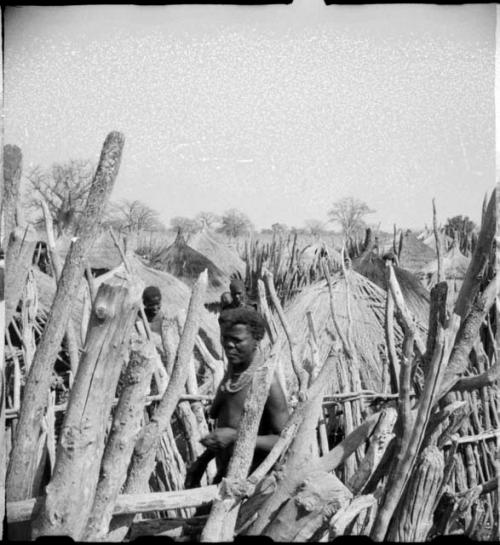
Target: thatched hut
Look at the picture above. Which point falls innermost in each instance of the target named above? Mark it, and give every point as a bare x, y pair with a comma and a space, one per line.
311, 254
367, 310
186, 264
414, 253
455, 265
175, 297
416, 295
102, 257
216, 251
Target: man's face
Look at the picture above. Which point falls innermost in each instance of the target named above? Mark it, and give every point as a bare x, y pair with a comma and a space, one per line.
239, 344
237, 295
151, 308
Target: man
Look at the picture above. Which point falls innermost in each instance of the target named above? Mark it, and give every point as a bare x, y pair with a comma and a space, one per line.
236, 297
242, 329
151, 300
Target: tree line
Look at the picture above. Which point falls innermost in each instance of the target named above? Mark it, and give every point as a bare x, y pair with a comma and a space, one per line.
65, 187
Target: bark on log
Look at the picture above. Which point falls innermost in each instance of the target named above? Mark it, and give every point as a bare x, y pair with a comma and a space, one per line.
38, 381
12, 170
437, 315
380, 439
127, 504
467, 336
405, 459
121, 441
143, 458
18, 259
70, 493
471, 283
346, 515
414, 519
300, 372
394, 370
71, 337
303, 418
309, 511
222, 520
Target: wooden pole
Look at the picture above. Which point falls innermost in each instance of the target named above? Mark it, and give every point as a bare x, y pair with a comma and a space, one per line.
470, 285
120, 444
127, 504
12, 170
38, 381
143, 457
70, 493
71, 337
18, 259
414, 519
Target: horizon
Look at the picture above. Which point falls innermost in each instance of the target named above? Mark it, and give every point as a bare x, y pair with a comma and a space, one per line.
278, 112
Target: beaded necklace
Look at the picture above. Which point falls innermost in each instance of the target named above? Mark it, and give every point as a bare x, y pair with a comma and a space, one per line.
232, 386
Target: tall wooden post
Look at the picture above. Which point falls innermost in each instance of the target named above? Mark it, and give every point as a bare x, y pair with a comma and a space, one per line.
70, 493
18, 485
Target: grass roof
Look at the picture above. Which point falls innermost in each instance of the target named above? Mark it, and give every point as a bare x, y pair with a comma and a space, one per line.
367, 305
186, 264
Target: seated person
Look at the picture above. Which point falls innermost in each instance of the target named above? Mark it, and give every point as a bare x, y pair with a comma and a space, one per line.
242, 329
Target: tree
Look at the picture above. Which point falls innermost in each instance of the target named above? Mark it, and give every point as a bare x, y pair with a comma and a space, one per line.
65, 187
314, 227
134, 216
235, 223
461, 224
207, 218
462, 230
349, 213
188, 226
279, 228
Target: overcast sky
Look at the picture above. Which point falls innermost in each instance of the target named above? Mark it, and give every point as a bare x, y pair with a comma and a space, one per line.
275, 110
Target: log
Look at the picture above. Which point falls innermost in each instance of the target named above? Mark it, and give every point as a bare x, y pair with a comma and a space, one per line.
379, 441
172, 527
303, 420
467, 337
301, 374
12, 170
346, 515
405, 317
18, 260
70, 493
389, 339
120, 444
143, 457
309, 511
70, 335
414, 519
437, 315
37, 384
405, 459
479, 261
222, 520
126, 504
488, 378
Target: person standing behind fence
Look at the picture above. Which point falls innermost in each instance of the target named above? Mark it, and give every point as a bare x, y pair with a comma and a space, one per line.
151, 299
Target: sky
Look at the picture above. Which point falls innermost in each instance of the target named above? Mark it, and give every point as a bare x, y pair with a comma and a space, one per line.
277, 111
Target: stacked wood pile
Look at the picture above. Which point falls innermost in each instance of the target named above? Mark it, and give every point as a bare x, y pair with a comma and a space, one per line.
415, 457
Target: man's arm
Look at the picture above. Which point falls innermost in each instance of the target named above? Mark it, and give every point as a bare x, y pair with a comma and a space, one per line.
276, 414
